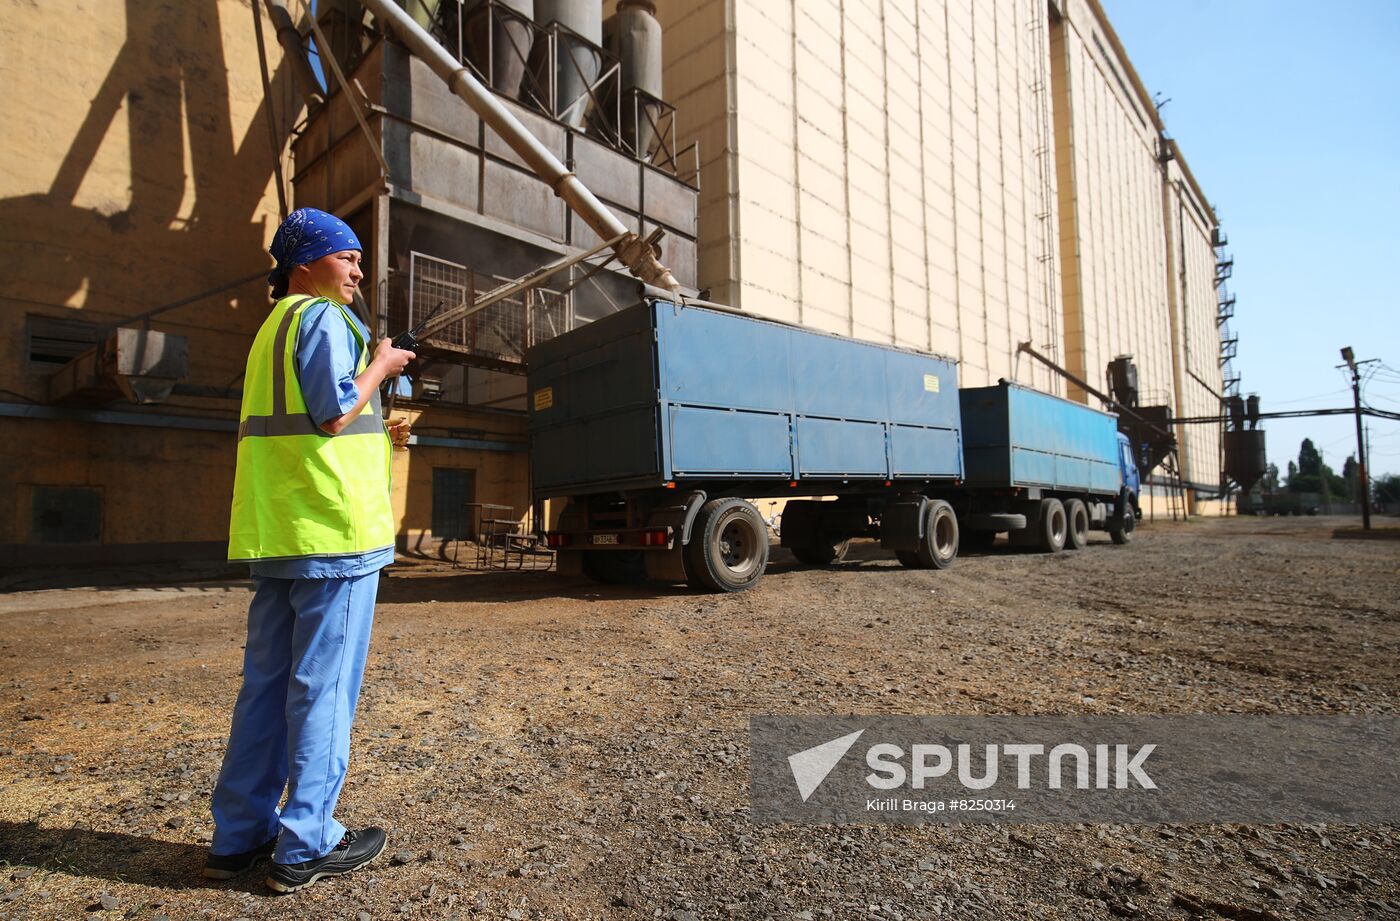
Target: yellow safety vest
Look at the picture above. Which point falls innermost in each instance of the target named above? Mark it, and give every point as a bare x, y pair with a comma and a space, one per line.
298, 492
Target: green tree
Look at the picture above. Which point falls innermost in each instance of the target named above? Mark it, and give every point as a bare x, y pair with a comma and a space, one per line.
1387, 488
1310, 474
1309, 459
1351, 478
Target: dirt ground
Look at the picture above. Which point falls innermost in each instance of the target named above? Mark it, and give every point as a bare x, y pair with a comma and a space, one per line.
541, 747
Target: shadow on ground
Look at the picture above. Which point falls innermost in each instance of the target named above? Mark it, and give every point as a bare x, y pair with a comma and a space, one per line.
115, 856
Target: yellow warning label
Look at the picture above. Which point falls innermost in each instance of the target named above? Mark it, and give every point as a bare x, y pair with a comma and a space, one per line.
931, 383
544, 398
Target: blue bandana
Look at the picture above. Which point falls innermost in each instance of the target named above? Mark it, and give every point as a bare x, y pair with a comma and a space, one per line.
305, 236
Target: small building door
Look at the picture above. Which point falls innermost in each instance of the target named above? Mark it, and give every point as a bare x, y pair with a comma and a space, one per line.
453, 488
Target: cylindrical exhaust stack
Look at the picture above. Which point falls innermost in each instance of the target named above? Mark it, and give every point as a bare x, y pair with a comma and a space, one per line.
577, 62
634, 36
499, 44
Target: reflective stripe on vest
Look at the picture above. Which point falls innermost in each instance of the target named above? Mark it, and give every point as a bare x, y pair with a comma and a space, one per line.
299, 492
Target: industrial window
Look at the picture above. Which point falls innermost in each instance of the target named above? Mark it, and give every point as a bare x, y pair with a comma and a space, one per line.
53, 341
66, 515
453, 488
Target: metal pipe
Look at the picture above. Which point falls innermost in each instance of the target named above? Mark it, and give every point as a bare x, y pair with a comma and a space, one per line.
1074, 379
632, 251
290, 40
1071, 377
1291, 414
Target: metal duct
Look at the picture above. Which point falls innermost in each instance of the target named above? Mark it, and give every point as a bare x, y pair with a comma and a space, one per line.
290, 40
576, 63
632, 251
140, 364
634, 35
499, 43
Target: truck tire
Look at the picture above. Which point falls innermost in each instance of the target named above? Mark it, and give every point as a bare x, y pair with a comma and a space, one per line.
821, 552
1053, 526
615, 567
728, 548
1122, 525
1077, 535
939, 546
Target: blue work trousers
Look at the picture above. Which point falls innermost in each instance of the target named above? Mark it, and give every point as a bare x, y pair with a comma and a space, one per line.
305, 658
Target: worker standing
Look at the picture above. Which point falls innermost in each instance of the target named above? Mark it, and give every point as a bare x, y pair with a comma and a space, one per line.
312, 515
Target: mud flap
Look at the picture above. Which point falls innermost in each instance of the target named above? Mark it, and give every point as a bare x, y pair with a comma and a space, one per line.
666, 565
902, 524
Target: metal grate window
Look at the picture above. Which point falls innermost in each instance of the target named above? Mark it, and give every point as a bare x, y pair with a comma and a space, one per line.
501, 332
66, 515
433, 281
55, 340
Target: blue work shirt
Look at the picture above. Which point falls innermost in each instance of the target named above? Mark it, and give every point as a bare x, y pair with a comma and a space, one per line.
326, 357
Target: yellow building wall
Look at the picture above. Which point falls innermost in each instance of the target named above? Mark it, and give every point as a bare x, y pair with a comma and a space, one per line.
1200, 339
138, 169
893, 179
959, 176
697, 77
1121, 302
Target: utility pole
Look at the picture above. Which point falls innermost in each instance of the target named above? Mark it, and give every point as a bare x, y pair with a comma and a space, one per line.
1349, 357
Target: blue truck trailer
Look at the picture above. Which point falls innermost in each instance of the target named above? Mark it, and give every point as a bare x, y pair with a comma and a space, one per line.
658, 424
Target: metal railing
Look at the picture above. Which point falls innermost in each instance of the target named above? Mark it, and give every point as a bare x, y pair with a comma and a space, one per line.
520, 59
499, 333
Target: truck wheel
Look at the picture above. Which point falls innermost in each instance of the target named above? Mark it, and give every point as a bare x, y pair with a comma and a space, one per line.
1121, 529
939, 546
1077, 535
1053, 526
822, 552
615, 567
728, 548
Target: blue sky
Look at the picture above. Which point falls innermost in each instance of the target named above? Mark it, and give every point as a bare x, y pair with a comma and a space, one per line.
1289, 116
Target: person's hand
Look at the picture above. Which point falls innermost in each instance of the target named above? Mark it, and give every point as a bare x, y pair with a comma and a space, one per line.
390, 359
399, 430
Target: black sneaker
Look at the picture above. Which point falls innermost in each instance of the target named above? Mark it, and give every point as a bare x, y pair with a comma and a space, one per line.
228, 866
355, 850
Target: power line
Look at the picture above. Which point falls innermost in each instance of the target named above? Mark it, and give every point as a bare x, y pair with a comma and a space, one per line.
1288, 414
1316, 396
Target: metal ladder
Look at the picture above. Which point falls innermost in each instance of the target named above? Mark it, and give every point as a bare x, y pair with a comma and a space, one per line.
1176, 487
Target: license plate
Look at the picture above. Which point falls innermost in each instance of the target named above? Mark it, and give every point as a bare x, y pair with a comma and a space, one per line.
604, 538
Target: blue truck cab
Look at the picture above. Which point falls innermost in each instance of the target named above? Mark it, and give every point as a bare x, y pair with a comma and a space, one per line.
1128, 466
661, 422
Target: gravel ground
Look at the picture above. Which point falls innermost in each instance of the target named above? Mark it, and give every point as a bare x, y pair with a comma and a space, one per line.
541, 747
